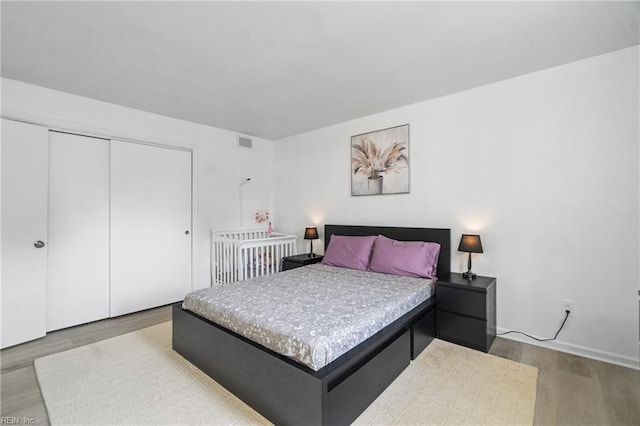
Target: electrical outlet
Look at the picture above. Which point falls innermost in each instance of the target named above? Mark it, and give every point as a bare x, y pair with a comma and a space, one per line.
568, 305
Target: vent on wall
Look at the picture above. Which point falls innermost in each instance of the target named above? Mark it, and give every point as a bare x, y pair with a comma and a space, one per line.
245, 142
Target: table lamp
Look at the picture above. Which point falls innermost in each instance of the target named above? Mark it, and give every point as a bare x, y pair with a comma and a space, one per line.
470, 243
311, 233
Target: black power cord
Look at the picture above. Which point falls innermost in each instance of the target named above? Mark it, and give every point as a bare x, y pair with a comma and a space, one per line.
567, 312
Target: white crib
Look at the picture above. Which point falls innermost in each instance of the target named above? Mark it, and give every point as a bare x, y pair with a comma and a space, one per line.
239, 254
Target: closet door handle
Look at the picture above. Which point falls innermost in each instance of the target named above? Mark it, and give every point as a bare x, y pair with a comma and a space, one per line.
38, 244
186, 232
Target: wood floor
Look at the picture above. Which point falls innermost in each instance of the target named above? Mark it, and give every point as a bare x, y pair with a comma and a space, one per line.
571, 390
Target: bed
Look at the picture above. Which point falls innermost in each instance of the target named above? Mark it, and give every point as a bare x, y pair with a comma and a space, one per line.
286, 391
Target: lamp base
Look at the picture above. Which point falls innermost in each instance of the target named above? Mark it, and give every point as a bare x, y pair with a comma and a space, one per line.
469, 275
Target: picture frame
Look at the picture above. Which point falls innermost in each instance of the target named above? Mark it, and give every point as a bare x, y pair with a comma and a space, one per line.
380, 162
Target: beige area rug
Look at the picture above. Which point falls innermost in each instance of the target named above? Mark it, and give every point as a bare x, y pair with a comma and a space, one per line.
137, 379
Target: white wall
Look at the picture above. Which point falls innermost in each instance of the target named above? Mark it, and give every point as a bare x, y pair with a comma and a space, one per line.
219, 164
543, 166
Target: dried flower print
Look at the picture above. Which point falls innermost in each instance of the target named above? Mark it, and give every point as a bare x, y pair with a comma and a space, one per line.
380, 162
371, 161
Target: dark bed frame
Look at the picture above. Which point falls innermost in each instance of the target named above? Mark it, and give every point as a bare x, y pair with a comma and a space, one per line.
286, 392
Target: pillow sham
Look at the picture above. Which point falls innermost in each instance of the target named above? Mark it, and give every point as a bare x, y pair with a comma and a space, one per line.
349, 252
407, 258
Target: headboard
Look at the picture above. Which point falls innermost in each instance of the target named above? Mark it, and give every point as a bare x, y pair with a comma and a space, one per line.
441, 236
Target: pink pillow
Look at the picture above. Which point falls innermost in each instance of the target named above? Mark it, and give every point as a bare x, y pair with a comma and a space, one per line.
408, 258
349, 252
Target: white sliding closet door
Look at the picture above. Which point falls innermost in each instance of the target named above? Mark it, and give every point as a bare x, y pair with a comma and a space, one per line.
78, 267
150, 226
24, 232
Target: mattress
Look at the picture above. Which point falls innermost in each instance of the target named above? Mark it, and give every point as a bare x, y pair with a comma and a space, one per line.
311, 314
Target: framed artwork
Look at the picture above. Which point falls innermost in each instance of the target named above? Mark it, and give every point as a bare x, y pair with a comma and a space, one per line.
380, 162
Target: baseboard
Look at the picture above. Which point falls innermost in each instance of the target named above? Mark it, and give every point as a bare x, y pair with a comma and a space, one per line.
571, 348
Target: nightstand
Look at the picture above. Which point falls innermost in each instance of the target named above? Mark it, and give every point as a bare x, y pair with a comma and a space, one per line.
466, 310
291, 262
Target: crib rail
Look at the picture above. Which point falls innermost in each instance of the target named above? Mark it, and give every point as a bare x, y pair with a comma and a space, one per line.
240, 254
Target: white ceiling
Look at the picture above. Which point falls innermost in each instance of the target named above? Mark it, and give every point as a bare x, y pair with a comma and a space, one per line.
277, 69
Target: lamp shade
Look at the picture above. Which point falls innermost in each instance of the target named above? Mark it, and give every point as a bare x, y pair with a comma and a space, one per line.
311, 233
470, 243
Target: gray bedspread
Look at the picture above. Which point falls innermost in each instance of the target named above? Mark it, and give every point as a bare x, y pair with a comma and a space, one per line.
312, 314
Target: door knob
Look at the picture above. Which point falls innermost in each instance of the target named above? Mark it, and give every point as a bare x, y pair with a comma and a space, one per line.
38, 244
186, 232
